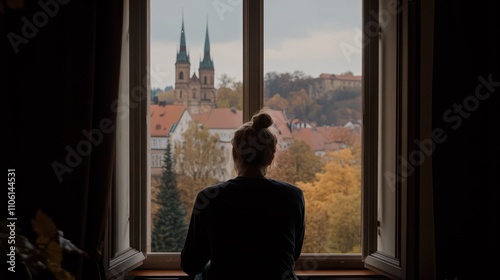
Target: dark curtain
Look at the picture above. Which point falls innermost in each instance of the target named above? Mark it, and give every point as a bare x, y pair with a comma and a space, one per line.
60, 62
466, 91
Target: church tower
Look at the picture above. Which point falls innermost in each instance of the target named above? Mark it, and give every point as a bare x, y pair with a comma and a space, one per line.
182, 71
196, 93
206, 73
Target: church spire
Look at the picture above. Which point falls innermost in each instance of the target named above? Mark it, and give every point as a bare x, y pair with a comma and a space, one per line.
207, 62
182, 55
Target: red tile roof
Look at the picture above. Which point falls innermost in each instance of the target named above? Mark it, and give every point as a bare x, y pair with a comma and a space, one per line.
321, 138
163, 118
347, 77
220, 118
330, 133
337, 136
280, 122
325, 76
312, 137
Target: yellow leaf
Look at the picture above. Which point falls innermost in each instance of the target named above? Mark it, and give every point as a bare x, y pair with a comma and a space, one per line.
59, 273
50, 249
43, 225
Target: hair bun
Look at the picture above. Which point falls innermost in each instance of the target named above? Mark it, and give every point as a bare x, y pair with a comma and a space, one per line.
262, 120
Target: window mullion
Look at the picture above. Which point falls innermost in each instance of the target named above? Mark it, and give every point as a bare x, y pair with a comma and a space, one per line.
253, 57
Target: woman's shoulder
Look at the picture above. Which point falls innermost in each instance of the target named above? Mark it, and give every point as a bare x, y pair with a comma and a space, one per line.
214, 188
286, 185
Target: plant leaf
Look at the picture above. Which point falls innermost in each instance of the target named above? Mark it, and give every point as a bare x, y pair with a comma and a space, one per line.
59, 273
43, 225
50, 249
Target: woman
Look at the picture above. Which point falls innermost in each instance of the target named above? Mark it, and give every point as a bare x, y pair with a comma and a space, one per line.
249, 227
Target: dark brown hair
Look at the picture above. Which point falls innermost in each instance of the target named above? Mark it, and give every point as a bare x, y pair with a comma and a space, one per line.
254, 143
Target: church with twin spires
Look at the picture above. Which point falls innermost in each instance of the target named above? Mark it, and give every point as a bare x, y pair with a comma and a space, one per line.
196, 93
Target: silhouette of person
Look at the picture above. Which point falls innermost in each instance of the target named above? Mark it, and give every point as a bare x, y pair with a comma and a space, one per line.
249, 227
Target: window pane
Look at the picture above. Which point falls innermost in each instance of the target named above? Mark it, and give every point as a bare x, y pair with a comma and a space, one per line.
387, 135
196, 103
312, 66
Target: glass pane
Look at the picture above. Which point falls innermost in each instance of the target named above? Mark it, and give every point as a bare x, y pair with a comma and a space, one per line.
387, 179
312, 66
196, 102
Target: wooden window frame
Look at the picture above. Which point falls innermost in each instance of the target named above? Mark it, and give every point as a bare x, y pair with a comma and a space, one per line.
397, 266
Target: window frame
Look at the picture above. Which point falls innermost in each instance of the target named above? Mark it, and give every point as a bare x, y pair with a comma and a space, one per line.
404, 36
118, 263
135, 40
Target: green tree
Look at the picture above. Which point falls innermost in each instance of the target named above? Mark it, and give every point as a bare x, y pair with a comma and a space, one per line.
169, 226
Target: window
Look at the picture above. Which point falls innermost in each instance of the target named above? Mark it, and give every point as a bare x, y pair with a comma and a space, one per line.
301, 52
183, 28
384, 135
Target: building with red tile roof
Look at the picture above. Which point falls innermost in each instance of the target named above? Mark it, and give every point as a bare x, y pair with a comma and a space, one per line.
166, 122
220, 118
311, 137
282, 126
222, 122
322, 139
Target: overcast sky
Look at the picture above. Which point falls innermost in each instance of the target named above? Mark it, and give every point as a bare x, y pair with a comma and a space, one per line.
313, 36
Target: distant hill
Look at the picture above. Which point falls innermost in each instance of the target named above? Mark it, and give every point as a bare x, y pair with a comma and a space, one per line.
326, 100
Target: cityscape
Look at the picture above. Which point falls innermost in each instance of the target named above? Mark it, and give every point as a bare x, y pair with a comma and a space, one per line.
318, 123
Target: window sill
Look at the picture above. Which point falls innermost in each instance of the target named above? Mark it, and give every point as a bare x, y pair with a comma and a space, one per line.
307, 274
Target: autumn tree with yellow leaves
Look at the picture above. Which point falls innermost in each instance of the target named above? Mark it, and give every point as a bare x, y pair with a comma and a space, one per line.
276, 102
333, 205
229, 93
197, 161
297, 163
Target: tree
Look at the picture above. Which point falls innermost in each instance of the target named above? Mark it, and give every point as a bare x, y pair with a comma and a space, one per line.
301, 105
169, 224
229, 93
333, 205
276, 102
198, 161
297, 163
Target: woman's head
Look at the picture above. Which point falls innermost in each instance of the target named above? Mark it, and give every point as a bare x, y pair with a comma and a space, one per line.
253, 143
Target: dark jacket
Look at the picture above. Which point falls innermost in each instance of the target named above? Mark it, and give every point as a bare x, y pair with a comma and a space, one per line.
248, 228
